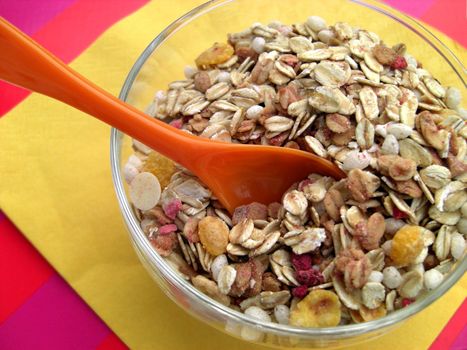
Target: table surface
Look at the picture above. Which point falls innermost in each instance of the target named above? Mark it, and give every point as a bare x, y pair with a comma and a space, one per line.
38, 308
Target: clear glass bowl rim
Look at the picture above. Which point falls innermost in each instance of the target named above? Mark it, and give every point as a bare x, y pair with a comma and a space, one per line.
143, 244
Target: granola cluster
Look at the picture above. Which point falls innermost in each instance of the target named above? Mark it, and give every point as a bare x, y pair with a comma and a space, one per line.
331, 252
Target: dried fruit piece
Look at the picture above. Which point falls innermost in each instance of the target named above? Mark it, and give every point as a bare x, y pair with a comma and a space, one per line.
218, 53
301, 262
163, 168
172, 207
300, 292
166, 229
190, 230
310, 277
384, 54
164, 244
399, 63
159, 216
407, 244
214, 235
320, 308
372, 314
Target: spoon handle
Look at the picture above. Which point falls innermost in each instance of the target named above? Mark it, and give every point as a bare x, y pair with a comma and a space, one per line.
25, 63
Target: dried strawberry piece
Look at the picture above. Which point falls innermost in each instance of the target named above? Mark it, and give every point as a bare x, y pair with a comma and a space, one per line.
399, 63
301, 262
254, 211
310, 277
172, 208
160, 216
190, 230
406, 302
177, 123
164, 244
399, 214
300, 292
166, 229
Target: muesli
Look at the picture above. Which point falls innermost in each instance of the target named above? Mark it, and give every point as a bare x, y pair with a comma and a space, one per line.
331, 252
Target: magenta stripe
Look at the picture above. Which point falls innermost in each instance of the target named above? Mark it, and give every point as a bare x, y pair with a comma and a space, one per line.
415, 8
29, 15
461, 341
55, 317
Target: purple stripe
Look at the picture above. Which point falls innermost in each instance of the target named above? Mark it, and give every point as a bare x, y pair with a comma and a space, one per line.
53, 318
461, 341
30, 15
415, 8
2, 216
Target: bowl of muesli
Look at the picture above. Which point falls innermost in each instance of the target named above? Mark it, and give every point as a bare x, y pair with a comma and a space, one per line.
332, 262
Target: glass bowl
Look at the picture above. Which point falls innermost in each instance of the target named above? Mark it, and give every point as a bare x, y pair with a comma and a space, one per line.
163, 61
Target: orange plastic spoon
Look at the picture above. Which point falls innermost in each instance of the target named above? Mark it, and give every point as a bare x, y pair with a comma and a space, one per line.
237, 174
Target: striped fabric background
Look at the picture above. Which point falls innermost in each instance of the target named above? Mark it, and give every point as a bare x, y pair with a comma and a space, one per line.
38, 310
